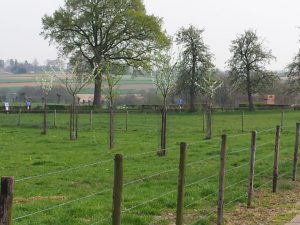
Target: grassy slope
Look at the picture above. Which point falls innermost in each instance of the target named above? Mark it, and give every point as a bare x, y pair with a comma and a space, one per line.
24, 153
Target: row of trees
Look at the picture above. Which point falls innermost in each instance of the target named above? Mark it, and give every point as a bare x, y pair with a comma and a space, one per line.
109, 35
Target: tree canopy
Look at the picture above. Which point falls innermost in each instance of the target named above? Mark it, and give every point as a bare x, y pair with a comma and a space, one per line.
195, 61
119, 31
247, 65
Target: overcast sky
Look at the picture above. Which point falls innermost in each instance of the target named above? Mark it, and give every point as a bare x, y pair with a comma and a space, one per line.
276, 21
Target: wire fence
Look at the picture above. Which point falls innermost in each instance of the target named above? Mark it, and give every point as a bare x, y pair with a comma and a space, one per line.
132, 182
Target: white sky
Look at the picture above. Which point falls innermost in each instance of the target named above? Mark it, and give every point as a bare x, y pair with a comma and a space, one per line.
274, 20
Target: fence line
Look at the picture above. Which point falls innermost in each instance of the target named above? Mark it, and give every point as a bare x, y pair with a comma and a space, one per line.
63, 171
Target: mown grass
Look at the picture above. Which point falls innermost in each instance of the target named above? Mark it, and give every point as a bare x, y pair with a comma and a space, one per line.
52, 166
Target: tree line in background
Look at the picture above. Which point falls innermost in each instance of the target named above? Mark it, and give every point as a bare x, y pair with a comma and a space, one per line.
123, 34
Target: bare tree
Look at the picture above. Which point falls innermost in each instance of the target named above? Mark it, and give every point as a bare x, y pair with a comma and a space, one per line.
112, 76
164, 74
46, 83
73, 82
248, 65
209, 87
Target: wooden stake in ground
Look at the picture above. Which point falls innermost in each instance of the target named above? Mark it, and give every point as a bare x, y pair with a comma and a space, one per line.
221, 181
296, 151
181, 182
203, 122
126, 120
276, 158
281, 121
251, 172
6, 200
243, 114
91, 118
117, 190
54, 118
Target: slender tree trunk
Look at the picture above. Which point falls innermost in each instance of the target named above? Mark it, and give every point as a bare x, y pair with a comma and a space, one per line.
73, 120
97, 91
163, 136
44, 131
111, 126
208, 122
249, 93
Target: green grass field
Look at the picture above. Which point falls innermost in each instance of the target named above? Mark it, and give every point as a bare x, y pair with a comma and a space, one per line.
63, 182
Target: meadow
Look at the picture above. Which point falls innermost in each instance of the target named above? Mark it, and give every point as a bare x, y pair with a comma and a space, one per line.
63, 182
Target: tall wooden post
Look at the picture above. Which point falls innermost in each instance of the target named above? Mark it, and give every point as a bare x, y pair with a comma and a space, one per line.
91, 118
282, 121
54, 123
276, 158
203, 121
243, 115
221, 181
117, 190
181, 183
296, 151
6, 200
126, 120
251, 172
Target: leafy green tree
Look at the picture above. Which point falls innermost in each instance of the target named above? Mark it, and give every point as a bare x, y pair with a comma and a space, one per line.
119, 31
247, 65
195, 60
293, 74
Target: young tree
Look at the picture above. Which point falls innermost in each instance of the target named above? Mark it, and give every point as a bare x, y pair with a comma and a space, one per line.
195, 60
73, 82
248, 65
112, 76
120, 31
46, 83
164, 74
209, 87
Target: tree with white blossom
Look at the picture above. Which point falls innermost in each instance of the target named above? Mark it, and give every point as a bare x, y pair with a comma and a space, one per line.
209, 87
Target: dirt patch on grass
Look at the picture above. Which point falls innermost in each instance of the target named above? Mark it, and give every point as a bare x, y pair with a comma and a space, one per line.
268, 208
39, 198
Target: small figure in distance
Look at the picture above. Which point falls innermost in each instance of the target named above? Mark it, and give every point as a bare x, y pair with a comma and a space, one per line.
28, 105
6, 107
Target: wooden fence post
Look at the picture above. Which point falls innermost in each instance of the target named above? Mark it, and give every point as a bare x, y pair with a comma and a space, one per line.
6, 200
251, 172
243, 114
117, 190
203, 121
54, 123
91, 118
19, 116
296, 151
276, 157
126, 120
181, 183
221, 180
281, 121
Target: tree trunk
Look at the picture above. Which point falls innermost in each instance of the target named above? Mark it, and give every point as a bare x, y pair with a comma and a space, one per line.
44, 130
97, 91
249, 93
111, 128
208, 123
73, 120
192, 102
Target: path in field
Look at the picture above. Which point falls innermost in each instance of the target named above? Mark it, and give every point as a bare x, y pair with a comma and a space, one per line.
294, 221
